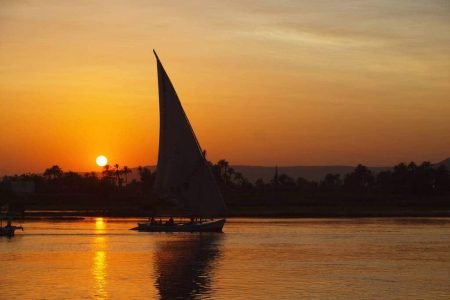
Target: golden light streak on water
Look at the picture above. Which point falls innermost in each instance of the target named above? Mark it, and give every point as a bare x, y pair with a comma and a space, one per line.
99, 267
99, 272
100, 225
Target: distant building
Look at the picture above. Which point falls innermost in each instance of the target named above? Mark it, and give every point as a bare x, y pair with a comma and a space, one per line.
22, 187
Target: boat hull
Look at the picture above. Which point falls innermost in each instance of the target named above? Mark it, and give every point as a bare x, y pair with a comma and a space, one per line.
211, 226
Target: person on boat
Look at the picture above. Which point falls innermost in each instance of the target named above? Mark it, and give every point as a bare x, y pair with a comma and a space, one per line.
170, 221
9, 228
152, 221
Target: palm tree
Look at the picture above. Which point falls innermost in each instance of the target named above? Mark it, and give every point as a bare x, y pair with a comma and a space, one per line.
53, 172
126, 171
145, 174
225, 172
223, 166
239, 178
106, 171
146, 177
48, 173
117, 173
360, 180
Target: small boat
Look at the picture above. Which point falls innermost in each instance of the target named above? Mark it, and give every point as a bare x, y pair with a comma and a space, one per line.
183, 175
9, 230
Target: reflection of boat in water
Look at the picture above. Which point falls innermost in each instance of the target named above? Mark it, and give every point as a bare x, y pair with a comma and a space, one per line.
183, 175
184, 266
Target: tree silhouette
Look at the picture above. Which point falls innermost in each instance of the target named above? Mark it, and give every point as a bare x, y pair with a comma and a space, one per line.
71, 181
53, 172
423, 181
238, 178
401, 178
147, 179
384, 182
108, 174
260, 183
126, 171
286, 181
223, 172
117, 175
404, 183
331, 183
360, 180
106, 170
442, 180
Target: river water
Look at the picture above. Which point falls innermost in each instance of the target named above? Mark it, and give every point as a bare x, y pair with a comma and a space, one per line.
99, 258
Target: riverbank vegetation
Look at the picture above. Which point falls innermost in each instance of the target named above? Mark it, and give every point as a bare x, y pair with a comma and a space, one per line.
406, 189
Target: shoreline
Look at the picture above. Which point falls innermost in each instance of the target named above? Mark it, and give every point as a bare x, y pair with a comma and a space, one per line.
243, 213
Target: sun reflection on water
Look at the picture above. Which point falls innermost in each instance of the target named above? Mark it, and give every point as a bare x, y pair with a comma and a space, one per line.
99, 275
99, 265
100, 225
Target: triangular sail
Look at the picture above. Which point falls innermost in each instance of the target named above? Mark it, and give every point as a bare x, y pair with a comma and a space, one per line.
183, 174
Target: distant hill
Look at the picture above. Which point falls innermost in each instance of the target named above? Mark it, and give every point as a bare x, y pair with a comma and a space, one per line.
252, 173
445, 162
266, 173
316, 173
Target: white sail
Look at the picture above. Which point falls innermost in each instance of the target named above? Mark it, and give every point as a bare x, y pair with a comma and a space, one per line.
183, 174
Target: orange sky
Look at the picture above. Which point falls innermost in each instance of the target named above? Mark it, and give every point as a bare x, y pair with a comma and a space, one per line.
263, 82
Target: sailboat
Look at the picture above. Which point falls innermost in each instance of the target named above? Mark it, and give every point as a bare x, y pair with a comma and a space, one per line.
183, 175
8, 230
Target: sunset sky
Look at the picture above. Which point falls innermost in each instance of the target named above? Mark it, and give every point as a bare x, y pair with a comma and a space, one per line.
263, 82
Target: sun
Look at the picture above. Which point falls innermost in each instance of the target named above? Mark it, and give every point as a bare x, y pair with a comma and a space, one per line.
101, 160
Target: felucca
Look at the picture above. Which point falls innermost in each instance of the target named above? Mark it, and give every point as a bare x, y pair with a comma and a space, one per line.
183, 175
